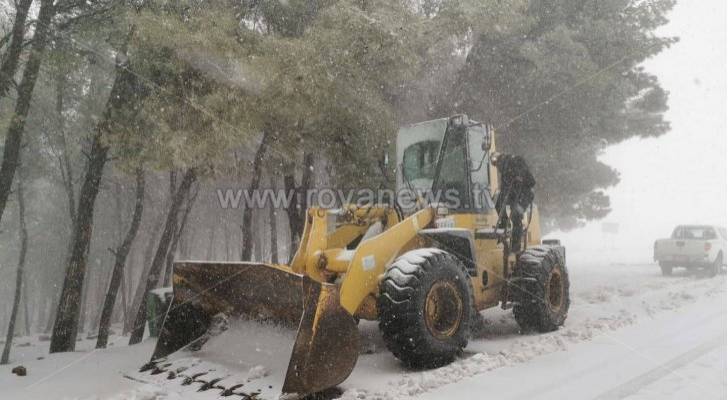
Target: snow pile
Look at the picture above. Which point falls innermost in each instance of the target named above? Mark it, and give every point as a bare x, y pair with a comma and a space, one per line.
147, 393
412, 384
258, 372
594, 327
248, 354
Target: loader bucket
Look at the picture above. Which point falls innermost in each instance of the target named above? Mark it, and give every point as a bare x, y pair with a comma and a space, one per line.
257, 305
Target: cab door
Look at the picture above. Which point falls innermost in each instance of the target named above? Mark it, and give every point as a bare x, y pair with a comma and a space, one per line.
463, 180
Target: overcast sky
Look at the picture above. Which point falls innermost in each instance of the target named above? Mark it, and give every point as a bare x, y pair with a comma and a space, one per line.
679, 177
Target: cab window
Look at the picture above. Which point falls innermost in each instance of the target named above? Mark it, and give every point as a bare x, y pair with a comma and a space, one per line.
420, 160
696, 232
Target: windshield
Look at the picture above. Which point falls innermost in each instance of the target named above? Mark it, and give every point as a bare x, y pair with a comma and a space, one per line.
452, 179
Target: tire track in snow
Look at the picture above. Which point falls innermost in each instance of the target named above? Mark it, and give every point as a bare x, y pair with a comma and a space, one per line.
635, 384
540, 390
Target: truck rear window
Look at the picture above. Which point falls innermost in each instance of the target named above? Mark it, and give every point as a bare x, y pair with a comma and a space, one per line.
694, 232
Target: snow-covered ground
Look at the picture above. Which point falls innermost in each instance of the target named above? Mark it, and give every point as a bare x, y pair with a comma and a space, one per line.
631, 334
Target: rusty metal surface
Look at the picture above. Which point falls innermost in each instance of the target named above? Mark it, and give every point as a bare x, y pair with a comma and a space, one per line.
326, 346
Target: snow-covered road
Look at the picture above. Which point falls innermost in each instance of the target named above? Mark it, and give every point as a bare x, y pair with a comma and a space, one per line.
674, 352
626, 325
631, 334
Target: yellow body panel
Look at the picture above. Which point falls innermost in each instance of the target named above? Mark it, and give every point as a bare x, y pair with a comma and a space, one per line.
323, 255
490, 259
298, 262
489, 254
322, 245
344, 235
534, 228
373, 255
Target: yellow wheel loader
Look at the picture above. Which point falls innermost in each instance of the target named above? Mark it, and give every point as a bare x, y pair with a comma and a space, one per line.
467, 240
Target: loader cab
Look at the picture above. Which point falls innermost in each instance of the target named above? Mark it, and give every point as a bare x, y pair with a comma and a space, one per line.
446, 161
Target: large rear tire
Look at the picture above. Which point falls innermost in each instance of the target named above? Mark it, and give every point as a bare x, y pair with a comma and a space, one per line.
666, 269
540, 289
426, 308
716, 266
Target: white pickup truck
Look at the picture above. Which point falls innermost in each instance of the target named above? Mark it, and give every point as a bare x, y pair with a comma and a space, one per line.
692, 246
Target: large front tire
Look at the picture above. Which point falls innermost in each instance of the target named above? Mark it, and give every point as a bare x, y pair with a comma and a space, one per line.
426, 308
540, 289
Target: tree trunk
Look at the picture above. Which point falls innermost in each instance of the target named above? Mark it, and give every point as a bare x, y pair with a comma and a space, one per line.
99, 293
176, 239
120, 237
172, 183
146, 265
123, 288
226, 237
68, 314
26, 313
119, 261
64, 167
173, 243
184, 246
14, 136
52, 309
246, 227
64, 159
12, 54
273, 228
125, 91
126, 283
48, 309
256, 225
81, 325
23, 233
297, 210
211, 244
289, 185
141, 314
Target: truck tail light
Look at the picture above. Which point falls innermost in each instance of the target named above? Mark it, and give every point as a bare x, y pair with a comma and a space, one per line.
707, 246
